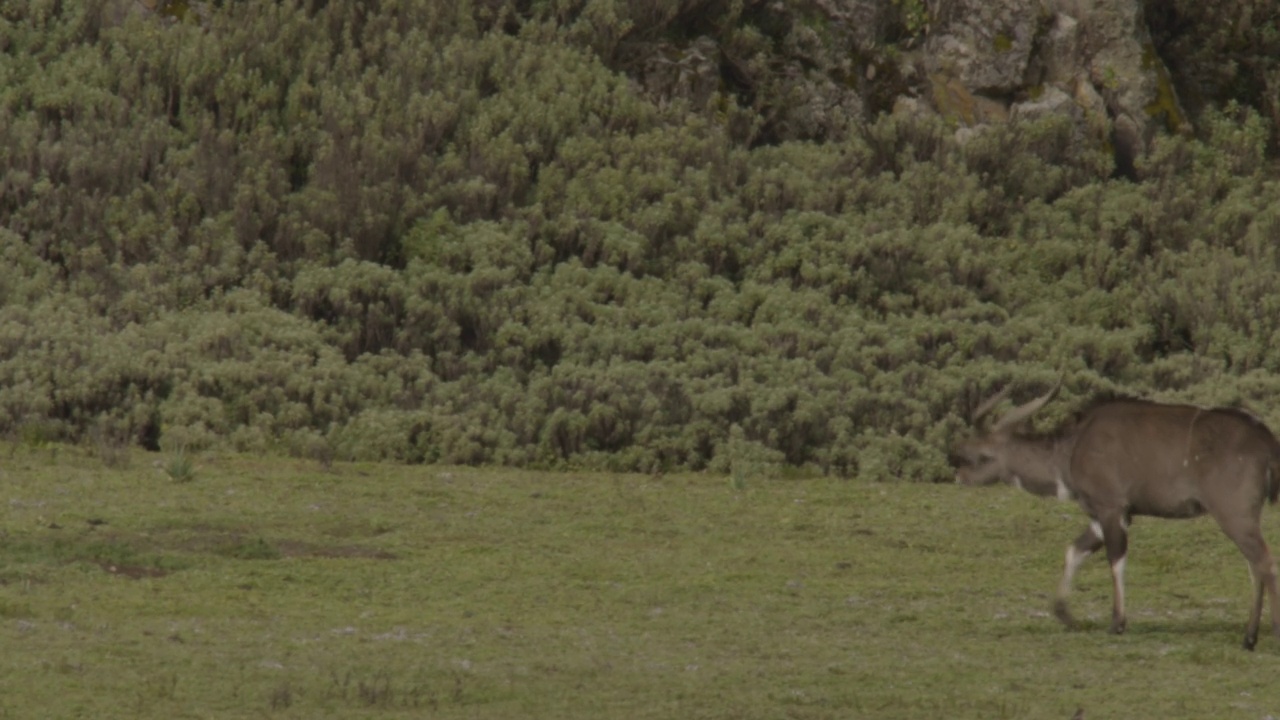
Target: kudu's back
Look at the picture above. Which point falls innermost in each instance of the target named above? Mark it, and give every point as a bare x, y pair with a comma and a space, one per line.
1173, 460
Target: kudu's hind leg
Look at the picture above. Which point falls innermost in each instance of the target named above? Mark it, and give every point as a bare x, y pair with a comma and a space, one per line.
1263, 569
1085, 545
1115, 533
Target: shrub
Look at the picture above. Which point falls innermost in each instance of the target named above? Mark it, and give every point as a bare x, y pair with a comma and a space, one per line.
242, 229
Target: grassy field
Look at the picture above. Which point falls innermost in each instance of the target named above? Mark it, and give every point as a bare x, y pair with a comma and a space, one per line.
275, 588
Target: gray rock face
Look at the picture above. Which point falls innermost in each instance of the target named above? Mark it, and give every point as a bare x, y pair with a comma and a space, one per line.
1052, 101
988, 45
993, 60
813, 69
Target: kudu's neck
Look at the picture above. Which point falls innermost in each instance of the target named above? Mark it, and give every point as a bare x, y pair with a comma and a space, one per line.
1039, 466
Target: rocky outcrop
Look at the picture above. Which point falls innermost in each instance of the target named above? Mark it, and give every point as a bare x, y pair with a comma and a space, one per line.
815, 69
1093, 60
810, 69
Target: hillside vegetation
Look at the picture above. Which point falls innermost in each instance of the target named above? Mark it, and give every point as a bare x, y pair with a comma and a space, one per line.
462, 233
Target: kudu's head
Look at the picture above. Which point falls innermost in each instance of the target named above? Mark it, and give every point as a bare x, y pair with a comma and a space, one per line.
984, 458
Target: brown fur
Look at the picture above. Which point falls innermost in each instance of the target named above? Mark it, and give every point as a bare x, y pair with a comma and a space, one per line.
1122, 457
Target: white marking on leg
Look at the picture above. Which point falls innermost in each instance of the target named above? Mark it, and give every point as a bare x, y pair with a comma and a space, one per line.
1074, 559
1096, 527
1017, 482
1064, 493
1117, 575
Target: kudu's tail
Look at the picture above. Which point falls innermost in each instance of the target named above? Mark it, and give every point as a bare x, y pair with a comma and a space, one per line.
1273, 473
1273, 480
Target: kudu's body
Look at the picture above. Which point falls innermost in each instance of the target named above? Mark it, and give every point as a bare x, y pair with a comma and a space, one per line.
1121, 458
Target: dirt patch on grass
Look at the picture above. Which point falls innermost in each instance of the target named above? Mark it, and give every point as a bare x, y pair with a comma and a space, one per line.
204, 540
244, 548
133, 572
138, 555
297, 548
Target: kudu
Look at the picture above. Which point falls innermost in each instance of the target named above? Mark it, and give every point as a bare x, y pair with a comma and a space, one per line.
1120, 458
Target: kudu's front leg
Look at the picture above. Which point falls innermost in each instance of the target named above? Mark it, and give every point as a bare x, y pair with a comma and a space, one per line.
1085, 545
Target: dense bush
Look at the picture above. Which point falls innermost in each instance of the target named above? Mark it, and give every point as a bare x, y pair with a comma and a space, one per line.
1221, 52
433, 233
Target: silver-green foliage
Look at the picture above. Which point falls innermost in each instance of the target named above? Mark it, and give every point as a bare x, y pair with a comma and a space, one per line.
502, 251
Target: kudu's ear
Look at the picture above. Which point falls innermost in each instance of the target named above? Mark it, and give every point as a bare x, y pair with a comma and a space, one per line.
986, 405
1023, 412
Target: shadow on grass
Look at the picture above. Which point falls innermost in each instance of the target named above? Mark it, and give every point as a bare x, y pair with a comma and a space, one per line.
1188, 626
1197, 632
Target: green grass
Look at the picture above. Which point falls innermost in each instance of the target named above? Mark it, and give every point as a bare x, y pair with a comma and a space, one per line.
272, 588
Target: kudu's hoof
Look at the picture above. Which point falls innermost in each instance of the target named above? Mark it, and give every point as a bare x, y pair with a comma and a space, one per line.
1117, 627
1250, 641
1061, 612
